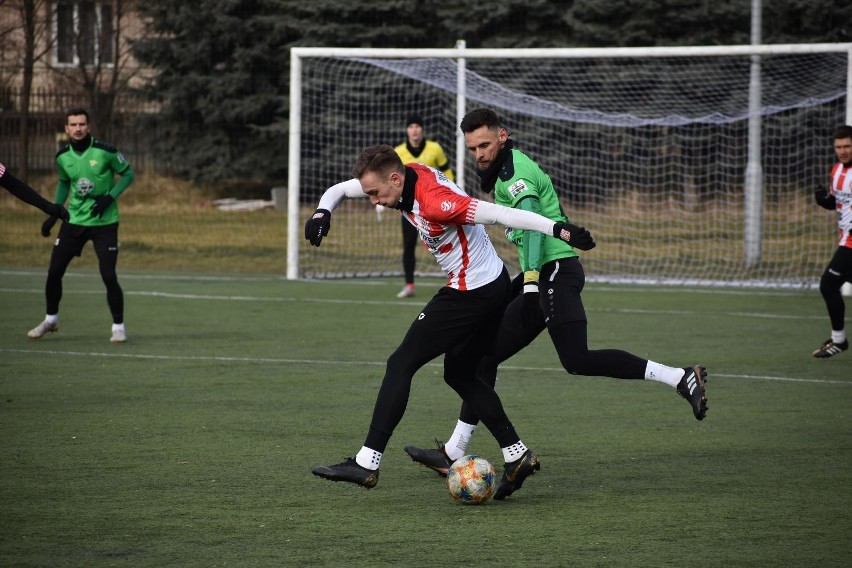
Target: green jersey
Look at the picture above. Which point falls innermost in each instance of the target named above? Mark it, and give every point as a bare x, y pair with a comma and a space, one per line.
88, 175
522, 184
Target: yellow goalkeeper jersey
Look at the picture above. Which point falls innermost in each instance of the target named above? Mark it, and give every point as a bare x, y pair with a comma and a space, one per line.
429, 154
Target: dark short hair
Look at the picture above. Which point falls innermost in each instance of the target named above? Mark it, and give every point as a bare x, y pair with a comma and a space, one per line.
841, 132
381, 159
479, 118
76, 112
414, 119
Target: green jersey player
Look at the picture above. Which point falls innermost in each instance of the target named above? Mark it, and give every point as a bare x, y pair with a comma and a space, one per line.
87, 172
518, 182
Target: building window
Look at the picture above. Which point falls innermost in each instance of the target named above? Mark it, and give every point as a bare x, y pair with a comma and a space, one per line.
84, 33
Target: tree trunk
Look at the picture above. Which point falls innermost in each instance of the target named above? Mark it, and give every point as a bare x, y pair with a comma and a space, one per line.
28, 15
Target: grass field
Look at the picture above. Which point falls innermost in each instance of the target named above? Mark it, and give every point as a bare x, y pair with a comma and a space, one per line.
191, 444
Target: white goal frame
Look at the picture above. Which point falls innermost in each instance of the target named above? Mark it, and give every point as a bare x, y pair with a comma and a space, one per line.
752, 178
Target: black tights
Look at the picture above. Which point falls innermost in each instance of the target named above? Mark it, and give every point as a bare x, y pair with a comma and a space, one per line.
107, 259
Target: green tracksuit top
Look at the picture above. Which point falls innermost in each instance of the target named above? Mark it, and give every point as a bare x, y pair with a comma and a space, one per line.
522, 184
90, 174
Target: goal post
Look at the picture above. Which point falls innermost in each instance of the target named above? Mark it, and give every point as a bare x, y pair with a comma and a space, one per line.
648, 147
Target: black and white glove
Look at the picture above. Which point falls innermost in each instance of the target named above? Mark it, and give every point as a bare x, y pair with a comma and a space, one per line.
317, 226
101, 204
48, 225
824, 199
577, 237
531, 315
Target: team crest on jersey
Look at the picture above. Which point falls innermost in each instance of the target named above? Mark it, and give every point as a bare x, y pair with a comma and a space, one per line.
93, 163
447, 206
84, 187
518, 188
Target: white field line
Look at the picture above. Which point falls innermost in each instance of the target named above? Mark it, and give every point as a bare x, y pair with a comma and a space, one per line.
144, 356
607, 287
281, 299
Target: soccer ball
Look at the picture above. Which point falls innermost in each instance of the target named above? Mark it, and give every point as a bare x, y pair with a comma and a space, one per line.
470, 479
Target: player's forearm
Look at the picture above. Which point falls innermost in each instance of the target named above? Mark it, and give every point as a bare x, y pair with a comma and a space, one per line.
489, 214
825, 199
25, 193
533, 242
127, 177
336, 193
63, 188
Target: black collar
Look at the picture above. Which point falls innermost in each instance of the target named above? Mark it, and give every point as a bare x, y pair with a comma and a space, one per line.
406, 200
502, 166
416, 151
82, 145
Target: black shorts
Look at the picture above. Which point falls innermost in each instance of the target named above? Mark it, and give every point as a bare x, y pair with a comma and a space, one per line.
458, 323
72, 239
841, 263
560, 284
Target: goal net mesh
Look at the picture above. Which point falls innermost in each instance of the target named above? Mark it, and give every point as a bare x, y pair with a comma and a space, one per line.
649, 154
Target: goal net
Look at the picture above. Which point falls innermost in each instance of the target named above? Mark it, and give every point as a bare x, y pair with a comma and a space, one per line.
648, 149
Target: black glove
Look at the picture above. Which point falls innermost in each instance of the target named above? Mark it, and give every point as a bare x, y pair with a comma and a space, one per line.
531, 315
60, 212
317, 226
577, 237
101, 204
48, 225
825, 199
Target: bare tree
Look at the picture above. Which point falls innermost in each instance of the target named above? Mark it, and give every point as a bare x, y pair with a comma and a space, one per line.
105, 65
34, 27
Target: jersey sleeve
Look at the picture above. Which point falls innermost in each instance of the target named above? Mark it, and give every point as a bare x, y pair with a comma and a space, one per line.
519, 190
447, 207
118, 162
338, 192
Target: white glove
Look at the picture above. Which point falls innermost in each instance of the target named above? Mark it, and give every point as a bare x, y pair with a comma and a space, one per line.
380, 209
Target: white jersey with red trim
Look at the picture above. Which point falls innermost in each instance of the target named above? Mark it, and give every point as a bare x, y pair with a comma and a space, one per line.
841, 189
443, 215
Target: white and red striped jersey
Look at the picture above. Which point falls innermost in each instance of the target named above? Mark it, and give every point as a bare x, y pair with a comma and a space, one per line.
444, 215
841, 189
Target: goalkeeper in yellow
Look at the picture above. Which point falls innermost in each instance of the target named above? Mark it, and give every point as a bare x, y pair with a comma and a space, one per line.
549, 293
416, 149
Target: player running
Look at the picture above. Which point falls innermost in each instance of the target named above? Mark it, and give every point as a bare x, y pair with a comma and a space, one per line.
460, 321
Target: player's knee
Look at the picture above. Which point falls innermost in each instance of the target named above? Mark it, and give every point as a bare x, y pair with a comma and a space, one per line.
830, 283
400, 364
577, 363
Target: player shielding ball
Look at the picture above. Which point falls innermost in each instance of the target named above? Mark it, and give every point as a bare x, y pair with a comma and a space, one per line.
460, 321
550, 298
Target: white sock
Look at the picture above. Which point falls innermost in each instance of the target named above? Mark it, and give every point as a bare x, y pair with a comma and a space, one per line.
117, 326
369, 458
456, 447
838, 336
52, 318
513, 452
663, 373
